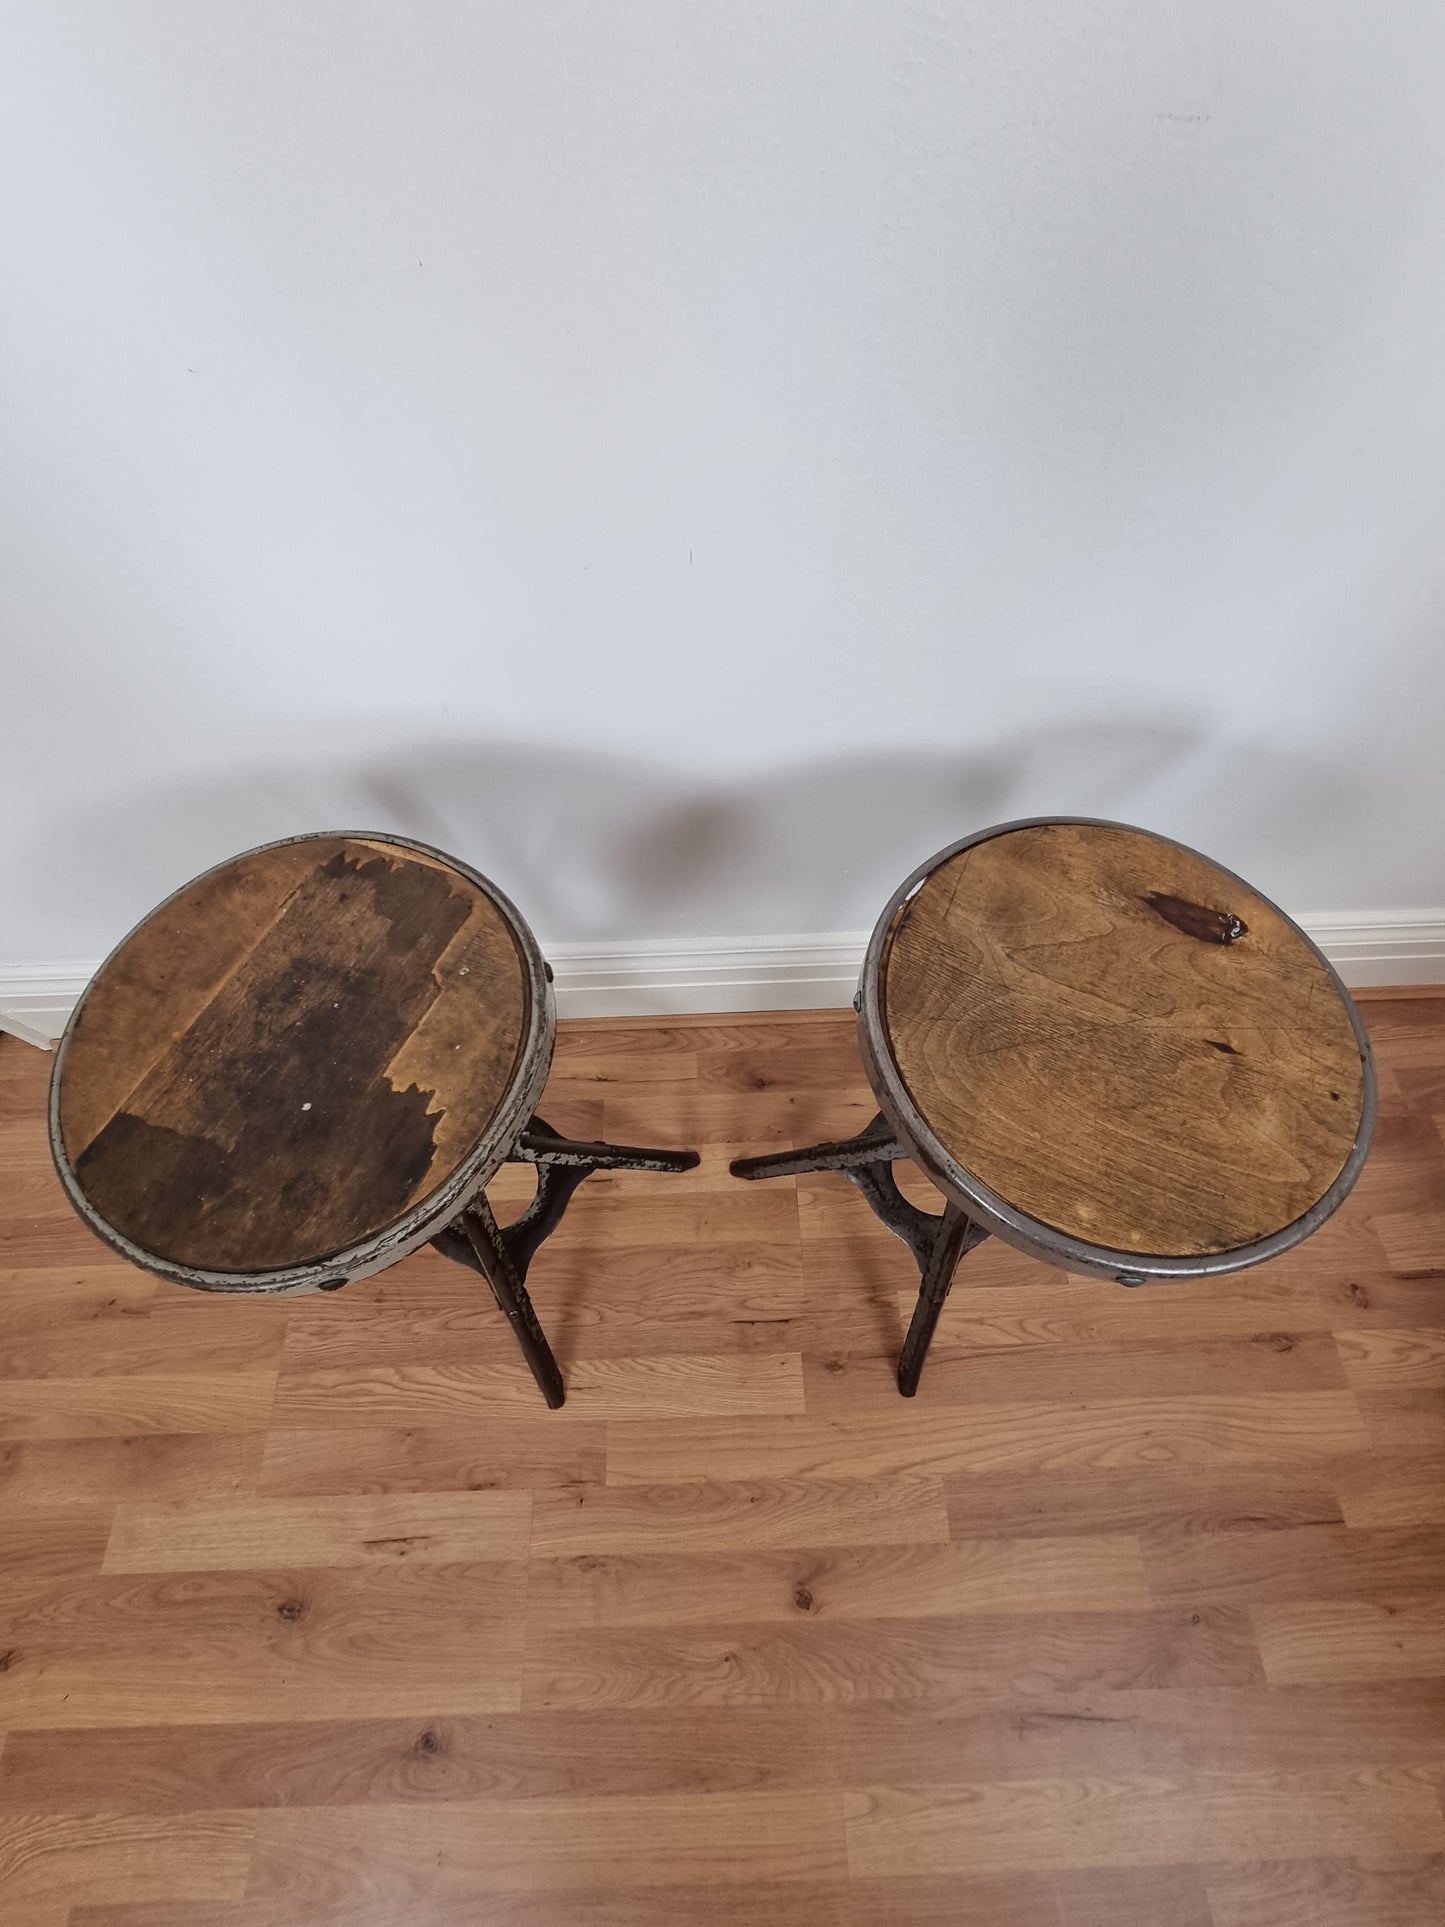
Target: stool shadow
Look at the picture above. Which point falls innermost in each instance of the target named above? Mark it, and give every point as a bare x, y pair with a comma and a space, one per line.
609, 848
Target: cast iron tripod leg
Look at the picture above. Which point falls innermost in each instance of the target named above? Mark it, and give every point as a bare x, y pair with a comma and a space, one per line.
956, 1234
540, 1144
875, 1145
511, 1294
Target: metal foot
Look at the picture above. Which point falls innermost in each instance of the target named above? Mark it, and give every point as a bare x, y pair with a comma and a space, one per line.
936, 1241
503, 1256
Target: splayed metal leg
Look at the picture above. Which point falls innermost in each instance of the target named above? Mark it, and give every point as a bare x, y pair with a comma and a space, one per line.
503, 1254
937, 1241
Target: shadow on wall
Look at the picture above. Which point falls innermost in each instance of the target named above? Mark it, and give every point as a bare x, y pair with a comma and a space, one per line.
599, 847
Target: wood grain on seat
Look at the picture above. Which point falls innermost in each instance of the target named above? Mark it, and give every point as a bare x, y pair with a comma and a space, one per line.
1121, 1040
291, 1053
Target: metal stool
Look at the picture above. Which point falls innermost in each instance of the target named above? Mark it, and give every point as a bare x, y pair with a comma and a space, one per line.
306, 1064
1105, 1050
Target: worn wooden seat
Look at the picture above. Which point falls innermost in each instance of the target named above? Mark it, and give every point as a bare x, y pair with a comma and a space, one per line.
1107, 1050
308, 1062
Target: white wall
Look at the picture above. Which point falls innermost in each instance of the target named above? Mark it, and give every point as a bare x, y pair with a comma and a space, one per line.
693, 460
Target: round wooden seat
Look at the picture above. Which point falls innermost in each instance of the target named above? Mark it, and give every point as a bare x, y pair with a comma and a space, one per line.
301, 1063
1103, 1045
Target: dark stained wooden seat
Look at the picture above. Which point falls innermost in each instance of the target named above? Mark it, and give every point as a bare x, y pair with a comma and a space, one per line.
1106, 1050
308, 1062
292, 1053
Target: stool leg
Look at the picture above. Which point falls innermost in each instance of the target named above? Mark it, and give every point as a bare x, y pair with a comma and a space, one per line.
876, 1144
956, 1235
937, 1242
474, 1238
510, 1293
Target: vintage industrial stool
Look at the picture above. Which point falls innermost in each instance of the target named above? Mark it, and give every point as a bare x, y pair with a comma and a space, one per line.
309, 1062
1102, 1049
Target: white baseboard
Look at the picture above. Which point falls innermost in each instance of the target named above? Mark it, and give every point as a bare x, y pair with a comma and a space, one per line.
676, 976
681, 975
36, 999
1371, 948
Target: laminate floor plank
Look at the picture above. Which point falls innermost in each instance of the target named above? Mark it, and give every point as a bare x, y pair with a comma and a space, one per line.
89, 1407
906, 1582
1151, 1497
1262, 1362
1151, 1729
764, 1514
1316, 1641
119, 1649
652, 1387
309, 1609
518, 1450
1303, 1563
317, 1856
195, 1767
1399, 1488
1408, 1891
443, 1528
782, 1903
1021, 1824
843, 1662
1382, 1361
124, 1856
52, 1475
1250, 1428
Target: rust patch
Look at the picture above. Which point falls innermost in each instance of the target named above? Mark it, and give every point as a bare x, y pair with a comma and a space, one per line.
1196, 920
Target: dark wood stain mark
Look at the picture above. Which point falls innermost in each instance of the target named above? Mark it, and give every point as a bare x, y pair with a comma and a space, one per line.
269, 1134
1196, 920
1215, 1044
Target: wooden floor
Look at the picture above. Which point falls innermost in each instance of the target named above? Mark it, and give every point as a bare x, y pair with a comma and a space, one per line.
311, 1613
